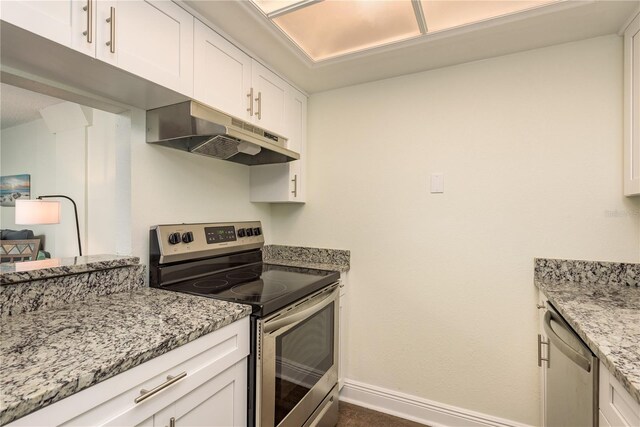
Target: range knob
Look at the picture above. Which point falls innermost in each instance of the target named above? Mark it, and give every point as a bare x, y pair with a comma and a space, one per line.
249, 231
241, 232
257, 231
174, 238
187, 237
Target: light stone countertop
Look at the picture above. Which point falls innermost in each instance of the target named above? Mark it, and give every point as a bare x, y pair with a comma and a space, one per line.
48, 355
603, 310
56, 267
307, 257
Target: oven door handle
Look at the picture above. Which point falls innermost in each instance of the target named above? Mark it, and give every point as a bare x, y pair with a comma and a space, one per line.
298, 316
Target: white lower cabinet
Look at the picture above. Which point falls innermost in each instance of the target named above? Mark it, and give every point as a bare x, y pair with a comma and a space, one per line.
211, 392
617, 407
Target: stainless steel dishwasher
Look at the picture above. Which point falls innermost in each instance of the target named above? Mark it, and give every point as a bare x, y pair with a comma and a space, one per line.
571, 376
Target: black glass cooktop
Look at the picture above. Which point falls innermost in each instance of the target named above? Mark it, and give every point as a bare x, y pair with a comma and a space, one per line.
266, 287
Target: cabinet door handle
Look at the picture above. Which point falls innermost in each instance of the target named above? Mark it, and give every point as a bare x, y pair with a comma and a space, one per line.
259, 99
540, 358
112, 30
295, 185
250, 96
145, 394
172, 422
89, 9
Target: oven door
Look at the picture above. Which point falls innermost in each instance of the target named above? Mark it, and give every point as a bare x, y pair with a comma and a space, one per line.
298, 367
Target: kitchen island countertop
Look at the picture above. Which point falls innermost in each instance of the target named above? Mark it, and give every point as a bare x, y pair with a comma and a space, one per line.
48, 355
604, 310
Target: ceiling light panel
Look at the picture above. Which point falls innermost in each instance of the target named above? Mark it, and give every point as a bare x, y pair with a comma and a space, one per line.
270, 6
442, 14
336, 27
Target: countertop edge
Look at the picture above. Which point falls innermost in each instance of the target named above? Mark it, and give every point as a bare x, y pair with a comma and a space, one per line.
305, 264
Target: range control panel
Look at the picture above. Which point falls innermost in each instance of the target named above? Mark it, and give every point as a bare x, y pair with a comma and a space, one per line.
184, 241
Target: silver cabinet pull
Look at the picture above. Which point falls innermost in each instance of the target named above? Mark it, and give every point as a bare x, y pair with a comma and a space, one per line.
250, 96
89, 9
112, 30
540, 306
540, 344
295, 185
259, 99
172, 422
145, 394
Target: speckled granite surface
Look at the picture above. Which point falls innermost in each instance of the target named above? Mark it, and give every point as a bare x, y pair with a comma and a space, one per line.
50, 354
298, 256
604, 313
24, 297
55, 267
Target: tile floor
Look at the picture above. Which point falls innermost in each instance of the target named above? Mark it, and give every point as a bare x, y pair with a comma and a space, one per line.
357, 416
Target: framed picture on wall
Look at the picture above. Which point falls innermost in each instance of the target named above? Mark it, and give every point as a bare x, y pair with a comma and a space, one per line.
14, 187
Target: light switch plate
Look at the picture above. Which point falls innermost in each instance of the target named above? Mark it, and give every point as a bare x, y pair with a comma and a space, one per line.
437, 183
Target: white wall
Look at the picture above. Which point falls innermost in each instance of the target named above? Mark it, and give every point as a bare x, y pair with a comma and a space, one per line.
170, 186
29, 149
441, 285
90, 164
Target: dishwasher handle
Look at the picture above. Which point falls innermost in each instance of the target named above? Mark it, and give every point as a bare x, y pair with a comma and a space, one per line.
575, 356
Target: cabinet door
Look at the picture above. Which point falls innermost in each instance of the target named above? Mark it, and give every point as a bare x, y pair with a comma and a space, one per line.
49, 19
270, 94
152, 39
285, 182
617, 406
221, 401
632, 108
222, 73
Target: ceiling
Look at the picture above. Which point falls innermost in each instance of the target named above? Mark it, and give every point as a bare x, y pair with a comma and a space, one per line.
18, 106
556, 23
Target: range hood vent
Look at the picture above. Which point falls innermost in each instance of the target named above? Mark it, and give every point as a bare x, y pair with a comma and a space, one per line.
196, 128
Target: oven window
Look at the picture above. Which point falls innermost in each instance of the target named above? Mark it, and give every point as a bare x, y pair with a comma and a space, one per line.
303, 355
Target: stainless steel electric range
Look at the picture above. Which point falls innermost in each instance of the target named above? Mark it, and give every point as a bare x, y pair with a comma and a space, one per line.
293, 365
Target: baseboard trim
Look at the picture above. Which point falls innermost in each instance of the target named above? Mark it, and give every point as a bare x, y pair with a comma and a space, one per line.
416, 409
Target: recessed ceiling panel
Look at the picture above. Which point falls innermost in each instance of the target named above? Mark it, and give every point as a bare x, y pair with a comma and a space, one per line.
442, 14
270, 6
337, 27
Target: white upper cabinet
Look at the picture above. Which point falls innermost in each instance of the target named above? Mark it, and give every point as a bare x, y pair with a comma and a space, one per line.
228, 79
270, 94
49, 19
632, 108
285, 182
152, 39
222, 73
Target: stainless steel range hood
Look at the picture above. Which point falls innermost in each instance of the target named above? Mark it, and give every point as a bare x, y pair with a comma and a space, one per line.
193, 127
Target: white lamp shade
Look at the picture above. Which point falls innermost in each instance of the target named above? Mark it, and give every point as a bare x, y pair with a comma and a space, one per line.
37, 212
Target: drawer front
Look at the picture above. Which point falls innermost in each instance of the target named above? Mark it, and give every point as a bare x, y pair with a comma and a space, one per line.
112, 402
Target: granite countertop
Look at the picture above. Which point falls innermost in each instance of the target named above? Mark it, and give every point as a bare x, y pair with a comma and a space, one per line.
55, 267
606, 315
50, 354
306, 257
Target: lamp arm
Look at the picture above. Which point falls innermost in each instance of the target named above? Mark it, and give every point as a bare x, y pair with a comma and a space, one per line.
75, 210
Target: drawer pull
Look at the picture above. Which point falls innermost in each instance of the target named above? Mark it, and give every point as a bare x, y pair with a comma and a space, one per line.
145, 394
